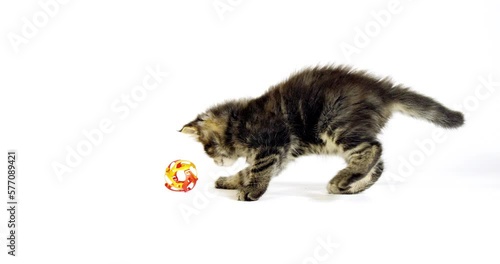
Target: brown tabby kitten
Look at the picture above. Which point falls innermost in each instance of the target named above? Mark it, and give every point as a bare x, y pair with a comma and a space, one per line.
323, 110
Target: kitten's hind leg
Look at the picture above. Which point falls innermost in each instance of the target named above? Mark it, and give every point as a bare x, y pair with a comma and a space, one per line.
363, 169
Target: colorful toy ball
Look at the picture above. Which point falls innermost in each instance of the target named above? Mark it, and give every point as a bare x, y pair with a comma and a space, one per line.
181, 176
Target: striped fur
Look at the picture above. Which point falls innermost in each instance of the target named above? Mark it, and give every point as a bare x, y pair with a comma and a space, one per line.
323, 110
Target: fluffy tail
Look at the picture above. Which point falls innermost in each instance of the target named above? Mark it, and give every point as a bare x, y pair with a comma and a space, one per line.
420, 106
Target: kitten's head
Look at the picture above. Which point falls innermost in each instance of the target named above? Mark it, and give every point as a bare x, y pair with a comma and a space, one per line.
210, 129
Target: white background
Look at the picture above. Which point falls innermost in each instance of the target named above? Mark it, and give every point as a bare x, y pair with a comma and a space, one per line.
438, 201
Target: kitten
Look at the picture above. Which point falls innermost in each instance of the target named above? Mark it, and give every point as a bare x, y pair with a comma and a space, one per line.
322, 110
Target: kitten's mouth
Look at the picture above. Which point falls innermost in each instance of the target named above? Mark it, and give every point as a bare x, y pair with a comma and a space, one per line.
226, 162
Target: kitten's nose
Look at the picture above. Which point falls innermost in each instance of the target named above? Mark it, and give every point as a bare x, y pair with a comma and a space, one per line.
219, 162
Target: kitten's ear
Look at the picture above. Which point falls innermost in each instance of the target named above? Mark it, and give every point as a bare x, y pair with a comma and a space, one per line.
189, 129
193, 127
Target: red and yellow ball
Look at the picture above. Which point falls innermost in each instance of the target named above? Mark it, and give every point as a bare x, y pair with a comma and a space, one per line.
181, 176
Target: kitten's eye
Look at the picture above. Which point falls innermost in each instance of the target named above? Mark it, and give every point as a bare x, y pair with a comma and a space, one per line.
209, 151
209, 148
209, 145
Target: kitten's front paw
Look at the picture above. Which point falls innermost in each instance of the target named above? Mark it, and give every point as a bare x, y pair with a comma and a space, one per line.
249, 196
229, 183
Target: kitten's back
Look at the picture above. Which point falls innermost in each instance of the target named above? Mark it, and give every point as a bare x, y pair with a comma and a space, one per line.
317, 93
